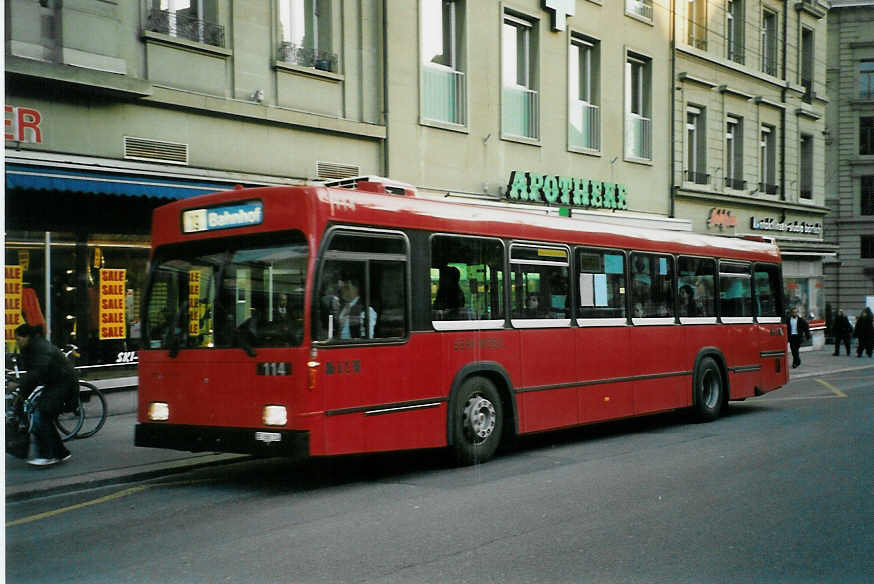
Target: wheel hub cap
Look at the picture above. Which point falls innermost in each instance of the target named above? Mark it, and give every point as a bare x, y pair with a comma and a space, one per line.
479, 417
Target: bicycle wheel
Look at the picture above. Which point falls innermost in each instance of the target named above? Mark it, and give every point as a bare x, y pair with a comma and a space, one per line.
93, 405
69, 423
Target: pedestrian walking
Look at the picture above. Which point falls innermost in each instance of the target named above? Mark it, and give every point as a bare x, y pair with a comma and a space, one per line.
865, 333
46, 366
798, 328
842, 331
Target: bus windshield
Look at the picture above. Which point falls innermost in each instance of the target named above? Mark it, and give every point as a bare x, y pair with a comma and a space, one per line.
233, 292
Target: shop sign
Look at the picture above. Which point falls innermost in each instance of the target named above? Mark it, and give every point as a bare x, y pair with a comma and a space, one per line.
721, 218
564, 190
226, 217
12, 299
21, 124
560, 9
112, 305
194, 303
783, 226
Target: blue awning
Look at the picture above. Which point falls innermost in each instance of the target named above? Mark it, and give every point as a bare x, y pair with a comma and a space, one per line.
20, 176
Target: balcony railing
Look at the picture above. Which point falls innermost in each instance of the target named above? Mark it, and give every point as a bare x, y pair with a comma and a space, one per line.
444, 93
520, 112
640, 8
735, 183
638, 136
185, 27
307, 57
699, 178
769, 189
585, 125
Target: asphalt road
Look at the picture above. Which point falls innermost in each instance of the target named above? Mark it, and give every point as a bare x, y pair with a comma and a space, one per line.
779, 490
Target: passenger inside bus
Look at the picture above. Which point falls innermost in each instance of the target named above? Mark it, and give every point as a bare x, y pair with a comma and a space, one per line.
449, 301
533, 308
352, 321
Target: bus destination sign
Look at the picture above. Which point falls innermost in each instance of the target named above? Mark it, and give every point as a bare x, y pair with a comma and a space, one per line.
226, 217
566, 190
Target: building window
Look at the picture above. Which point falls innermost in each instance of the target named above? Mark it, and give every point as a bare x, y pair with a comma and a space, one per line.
866, 80
769, 42
696, 146
806, 166
696, 24
866, 195
193, 20
638, 105
807, 63
768, 161
584, 81
444, 86
306, 34
735, 30
866, 135
641, 8
867, 247
520, 107
734, 167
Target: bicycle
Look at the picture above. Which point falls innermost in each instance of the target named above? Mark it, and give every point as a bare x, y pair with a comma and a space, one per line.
82, 419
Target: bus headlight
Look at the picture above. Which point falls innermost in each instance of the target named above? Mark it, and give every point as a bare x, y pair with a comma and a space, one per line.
274, 416
159, 411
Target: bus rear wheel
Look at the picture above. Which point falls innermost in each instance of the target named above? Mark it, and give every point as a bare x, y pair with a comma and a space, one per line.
709, 390
478, 421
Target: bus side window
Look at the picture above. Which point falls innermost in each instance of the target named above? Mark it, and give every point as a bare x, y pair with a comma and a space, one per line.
735, 290
695, 285
361, 293
652, 285
601, 276
467, 278
768, 291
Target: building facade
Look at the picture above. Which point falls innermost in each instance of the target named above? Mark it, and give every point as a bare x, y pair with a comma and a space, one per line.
850, 155
749, 128
114, 107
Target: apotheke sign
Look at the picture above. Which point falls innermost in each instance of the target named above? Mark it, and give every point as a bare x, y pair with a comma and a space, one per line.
565, 190
783, 226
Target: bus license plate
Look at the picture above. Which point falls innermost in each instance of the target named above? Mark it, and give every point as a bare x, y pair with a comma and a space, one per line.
268, 437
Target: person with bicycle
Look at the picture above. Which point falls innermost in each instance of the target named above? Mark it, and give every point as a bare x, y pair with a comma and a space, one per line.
48, 367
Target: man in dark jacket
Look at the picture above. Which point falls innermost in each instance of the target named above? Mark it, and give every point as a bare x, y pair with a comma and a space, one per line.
842, 330
798, 328
46, 366
865, 333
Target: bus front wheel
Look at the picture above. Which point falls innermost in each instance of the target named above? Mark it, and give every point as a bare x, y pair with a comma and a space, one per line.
478, 421
709, 390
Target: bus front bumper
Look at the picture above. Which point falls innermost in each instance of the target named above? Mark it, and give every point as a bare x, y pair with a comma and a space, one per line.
257, 441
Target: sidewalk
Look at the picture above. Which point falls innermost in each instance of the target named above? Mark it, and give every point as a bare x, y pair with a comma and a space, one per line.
110, 456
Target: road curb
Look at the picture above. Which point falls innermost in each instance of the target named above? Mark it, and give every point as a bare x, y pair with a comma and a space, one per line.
829, 372
55, 486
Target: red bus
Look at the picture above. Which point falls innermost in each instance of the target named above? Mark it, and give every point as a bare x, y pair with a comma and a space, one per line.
327, 320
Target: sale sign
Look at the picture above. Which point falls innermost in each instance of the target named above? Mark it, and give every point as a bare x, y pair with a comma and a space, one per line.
112, 306
13, 304
194, 303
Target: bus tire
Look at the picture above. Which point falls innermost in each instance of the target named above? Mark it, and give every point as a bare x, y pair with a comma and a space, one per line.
708, 390
478, 421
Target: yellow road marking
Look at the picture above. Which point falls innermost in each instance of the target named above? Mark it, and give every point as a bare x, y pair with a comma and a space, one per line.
39, 516
832, 388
